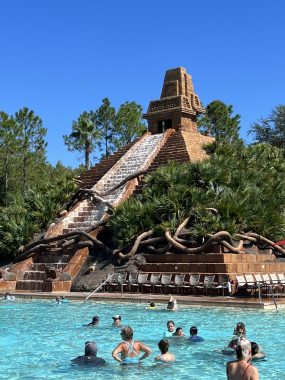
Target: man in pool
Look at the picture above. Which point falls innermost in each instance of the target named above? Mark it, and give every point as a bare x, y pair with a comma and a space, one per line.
128, 351
194, 335
117, 320
90, 357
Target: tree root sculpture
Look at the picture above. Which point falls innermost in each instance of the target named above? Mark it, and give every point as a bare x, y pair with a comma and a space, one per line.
213, 238
33, 248
266, 241
135, 246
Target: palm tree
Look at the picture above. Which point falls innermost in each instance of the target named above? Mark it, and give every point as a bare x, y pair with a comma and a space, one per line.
84, 135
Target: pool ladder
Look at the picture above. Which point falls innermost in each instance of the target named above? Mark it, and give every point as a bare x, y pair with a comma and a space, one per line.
100, 286
272, 296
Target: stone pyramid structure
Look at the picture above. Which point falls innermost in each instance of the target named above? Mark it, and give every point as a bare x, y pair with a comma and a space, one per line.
172, 136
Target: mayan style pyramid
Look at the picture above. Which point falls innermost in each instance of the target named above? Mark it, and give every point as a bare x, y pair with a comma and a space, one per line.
172, 136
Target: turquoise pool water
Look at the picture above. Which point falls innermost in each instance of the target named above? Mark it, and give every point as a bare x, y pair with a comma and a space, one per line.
38, 339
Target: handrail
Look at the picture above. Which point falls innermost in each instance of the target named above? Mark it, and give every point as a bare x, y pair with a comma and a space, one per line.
109, 276
272, 295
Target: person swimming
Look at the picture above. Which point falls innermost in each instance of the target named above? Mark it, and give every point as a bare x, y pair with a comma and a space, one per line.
94, 322
242, 369
194, 335
256, 354
90, 356
151, 306
8, 297
179, 333
117, 320
128, 351
170, 329
165, 356
172, 304
239, 331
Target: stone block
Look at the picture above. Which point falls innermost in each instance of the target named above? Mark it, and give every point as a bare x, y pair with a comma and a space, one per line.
10, 276
8, 286
193, 268
211, 268
202, 268
162, 267
185, 259
66, 276
245, 268
221, 268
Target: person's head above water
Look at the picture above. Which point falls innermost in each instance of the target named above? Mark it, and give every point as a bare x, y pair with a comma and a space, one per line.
240, 329
127, 333
152, 304
95, 320
117, 317
170, 326
254, 348
243, 349
193, 330
163, 345
90, 349
179, 331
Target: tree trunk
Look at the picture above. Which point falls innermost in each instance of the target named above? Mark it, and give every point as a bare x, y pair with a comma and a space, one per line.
87, 154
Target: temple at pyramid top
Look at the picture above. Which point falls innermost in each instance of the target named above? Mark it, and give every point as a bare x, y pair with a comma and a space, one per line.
178, 105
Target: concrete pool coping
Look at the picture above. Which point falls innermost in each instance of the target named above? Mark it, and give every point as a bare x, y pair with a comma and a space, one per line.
235, 302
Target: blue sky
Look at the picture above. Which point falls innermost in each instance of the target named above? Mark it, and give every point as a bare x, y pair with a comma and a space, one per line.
62, 57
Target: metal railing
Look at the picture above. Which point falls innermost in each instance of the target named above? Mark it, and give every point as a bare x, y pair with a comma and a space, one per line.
109, 276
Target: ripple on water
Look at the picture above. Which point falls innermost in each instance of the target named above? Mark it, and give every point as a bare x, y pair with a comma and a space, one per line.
39, 338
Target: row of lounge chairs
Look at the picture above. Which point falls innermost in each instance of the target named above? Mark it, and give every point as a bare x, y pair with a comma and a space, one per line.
262, 284
195, 284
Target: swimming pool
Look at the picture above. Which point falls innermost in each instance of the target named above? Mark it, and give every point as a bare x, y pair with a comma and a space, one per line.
38, 338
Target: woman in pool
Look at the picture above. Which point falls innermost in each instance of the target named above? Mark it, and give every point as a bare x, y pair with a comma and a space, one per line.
165, 356
242, 369
239, 331
128, 351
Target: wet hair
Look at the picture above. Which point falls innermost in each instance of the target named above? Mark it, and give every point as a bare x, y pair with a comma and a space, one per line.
243, 349
193, 330
163, 345
152, 304
90, 348
177, 330
128, 332
240, 325
170, 322
254, 348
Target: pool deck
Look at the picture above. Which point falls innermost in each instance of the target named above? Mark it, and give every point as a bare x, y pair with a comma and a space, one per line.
237, 302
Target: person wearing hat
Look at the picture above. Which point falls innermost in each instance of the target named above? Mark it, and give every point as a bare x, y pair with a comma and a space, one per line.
90, 356
117, 321
94, 322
